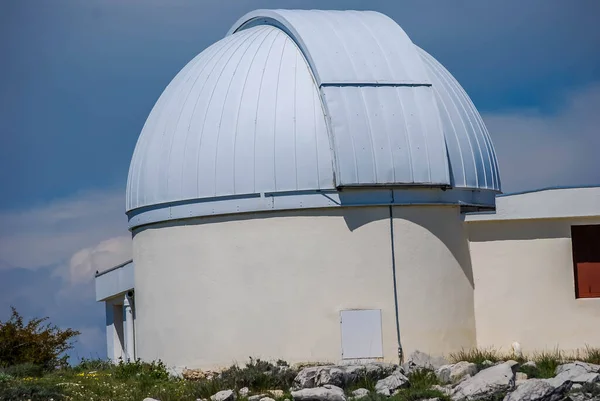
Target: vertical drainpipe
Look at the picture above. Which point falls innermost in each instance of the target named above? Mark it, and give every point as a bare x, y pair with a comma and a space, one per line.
129, 335
400, 351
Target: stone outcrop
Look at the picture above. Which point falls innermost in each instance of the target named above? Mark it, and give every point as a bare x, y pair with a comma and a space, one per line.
225, 395
486, 384
340, 375
455, 372
538, 390
327, 392
420, 360
576, 372
391, 383
360, 393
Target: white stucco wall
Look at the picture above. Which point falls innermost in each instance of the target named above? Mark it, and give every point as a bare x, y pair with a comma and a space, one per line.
435, 289
525, 287
213, 291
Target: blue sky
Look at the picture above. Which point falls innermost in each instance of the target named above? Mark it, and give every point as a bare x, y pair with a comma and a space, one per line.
78, 78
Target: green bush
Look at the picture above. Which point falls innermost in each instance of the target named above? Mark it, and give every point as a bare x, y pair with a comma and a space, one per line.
422, 379
5, 378
86, 365
258, 375
547, 362
145, 371
33, 342
31, 391
24, 370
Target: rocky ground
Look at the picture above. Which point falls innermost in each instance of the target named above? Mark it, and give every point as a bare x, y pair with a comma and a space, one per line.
426, 378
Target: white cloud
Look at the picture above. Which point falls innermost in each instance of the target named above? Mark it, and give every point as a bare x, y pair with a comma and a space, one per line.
87, 261
538, 150
65, 232
49, 255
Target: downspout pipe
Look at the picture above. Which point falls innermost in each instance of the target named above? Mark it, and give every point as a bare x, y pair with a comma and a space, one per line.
400, 351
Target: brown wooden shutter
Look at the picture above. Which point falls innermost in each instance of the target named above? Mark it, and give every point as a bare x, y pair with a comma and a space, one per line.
586, 259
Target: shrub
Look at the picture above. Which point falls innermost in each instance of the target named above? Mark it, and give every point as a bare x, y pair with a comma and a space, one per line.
476, 355
31, 391
24, 370
547, 362
144, 371
258, 375
86, 365
422, 379
33, 342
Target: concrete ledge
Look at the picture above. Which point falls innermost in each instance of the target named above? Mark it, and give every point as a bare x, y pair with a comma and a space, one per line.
114, 281
550, 203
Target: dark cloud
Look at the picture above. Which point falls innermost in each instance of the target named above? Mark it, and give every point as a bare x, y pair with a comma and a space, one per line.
537, 150
80, 78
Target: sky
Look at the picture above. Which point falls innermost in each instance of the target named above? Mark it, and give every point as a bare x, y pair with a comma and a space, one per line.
78, 79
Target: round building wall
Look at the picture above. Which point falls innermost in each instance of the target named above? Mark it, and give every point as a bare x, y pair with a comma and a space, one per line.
215, 291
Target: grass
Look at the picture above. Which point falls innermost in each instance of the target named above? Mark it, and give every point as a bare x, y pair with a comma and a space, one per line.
480, 356
589, 355
126, 381
100, 380
546, 361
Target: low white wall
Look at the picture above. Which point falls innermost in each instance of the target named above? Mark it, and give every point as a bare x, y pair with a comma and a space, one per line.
525, 287
214, 291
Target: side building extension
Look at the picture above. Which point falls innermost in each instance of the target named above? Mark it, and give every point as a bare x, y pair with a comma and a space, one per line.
115, 287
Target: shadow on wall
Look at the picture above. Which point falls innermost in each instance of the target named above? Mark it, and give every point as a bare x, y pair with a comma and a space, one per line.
453, 233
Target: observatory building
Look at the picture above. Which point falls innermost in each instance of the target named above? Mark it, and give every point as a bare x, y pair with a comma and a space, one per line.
316, 187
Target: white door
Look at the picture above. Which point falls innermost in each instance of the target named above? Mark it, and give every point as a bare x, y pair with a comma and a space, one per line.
361, 334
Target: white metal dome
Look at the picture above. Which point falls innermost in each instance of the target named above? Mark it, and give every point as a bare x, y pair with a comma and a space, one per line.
293, 106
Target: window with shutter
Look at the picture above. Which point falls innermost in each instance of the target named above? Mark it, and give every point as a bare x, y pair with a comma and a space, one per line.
586, 260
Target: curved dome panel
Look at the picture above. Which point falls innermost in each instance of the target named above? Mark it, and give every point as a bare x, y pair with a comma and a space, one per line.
347, 47
384, 122
470, 151
243, 117
294, 109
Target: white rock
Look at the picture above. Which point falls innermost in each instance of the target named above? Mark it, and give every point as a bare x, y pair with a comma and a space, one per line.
225, 395
420, 360
360, 393
340, 375
391, 383
446, 390
537, 390
244, 391
267, 399
150, 399
488, 382
530, 364
456, 371
326, 393
520, 377
581, 367
576, 372
256, 397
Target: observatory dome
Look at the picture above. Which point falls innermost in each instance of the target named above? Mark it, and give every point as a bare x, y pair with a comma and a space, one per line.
309, 109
